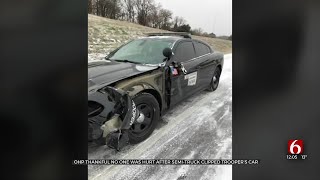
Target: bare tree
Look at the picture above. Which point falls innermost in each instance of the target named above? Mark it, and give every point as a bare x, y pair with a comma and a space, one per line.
143, 8
175, 22
107, 8
121, 14
113, 9
139, 8
145, 12
197, 31
101, 7
165, 15
154, 16
179, 21
129, 10
90, 6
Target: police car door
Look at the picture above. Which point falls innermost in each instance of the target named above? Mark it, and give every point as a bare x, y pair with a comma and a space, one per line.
184, 73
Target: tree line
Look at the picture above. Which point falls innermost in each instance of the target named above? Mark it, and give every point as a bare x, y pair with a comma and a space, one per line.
144, 12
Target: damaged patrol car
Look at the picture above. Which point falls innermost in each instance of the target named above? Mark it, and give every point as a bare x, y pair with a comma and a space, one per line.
139, 81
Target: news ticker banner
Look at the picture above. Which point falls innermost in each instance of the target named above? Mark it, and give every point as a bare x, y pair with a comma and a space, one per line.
295, 149
166, 162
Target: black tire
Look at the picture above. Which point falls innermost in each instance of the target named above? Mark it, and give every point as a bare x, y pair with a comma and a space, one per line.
149, 106
215, 80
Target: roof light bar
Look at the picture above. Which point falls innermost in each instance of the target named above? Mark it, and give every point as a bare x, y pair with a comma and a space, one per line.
183, 34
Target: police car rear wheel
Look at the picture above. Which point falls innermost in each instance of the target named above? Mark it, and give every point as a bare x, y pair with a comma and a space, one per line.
215, 80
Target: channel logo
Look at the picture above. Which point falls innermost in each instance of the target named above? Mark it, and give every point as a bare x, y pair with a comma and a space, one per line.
295, 146
295, 149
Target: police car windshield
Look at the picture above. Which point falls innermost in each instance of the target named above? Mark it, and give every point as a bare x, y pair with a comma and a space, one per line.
144, 51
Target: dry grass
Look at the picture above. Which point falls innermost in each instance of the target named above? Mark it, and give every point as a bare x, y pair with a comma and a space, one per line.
106, 34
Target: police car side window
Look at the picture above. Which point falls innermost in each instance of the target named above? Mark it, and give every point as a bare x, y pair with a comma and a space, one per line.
201, 49
184, 52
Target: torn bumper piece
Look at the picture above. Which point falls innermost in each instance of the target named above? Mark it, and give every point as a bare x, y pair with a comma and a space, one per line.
117, 140
121, 112
115, 130
117, 137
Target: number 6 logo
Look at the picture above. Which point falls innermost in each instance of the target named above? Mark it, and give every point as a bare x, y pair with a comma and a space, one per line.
295, 146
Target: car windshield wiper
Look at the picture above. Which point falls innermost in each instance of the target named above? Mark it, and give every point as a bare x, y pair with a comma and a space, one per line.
126, 61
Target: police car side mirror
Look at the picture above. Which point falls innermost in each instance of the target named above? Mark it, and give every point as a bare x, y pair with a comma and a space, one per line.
167, 52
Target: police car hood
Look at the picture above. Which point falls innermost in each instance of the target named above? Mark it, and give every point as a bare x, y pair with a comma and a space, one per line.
103, 72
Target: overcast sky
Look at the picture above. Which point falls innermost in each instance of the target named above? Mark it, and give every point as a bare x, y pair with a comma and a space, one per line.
210, 15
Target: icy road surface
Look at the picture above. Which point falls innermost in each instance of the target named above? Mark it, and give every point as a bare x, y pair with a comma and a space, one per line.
198, 128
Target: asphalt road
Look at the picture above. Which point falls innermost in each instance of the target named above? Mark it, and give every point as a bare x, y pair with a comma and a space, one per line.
198, 128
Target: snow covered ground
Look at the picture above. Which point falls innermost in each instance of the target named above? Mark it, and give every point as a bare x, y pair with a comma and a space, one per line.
198, 128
